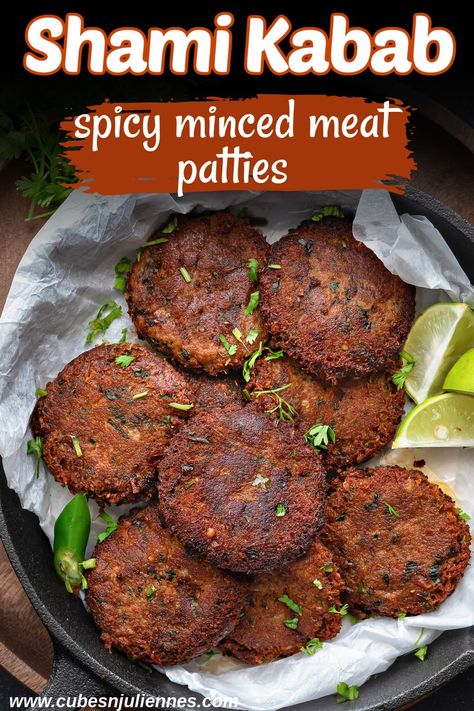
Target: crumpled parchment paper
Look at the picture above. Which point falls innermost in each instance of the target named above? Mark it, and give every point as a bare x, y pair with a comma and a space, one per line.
67, 274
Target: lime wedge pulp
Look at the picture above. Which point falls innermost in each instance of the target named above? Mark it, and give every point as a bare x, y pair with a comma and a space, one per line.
460, 378
439, 336
445, 420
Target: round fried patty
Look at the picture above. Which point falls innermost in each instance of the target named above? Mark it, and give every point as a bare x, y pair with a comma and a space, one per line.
242, 489
398, 539
333, 305
314, 584
364, 413
185, 319
153, 600
90, 407
214, 393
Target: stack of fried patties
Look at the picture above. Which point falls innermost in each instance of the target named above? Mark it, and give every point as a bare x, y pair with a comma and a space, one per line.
231, 549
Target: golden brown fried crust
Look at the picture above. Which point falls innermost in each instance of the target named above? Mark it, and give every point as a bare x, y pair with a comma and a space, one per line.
406, 559
185, 320
214, 393
262, 635
333, 305
154, 601
364, 413
225, 477
121, 439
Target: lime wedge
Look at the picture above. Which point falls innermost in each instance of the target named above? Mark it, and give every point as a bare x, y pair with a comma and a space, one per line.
445, 420
460, 378
439, 336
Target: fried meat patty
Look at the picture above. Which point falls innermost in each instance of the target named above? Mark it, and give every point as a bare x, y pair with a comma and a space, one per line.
154, 601
333, 305
186, 293
363, 413
242, 490
105, 423
269, 629
214, 393
398, 540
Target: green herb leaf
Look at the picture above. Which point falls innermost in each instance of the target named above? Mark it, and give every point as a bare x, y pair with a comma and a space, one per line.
112, 526
391, 510
123, 337
122, 269
312, 646
399, 377
462, 514
294, 607
231, 349
138, 396
274, 266
318, 436
185, 274
252, 336
181, 406
171, 226
342, 611
418, 639
318, 584
150, 592
402, 615
107, 313
421, 653
252, 266
35, 446
89, 564
153, 242
76, 445
280, 510
327, 567
346, 693
41, 392
285, 409
250, 362
327, 211
291, 624
253, 303
124, 360
273, 355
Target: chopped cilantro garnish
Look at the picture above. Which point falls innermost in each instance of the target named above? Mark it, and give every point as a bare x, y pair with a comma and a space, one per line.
285, 409
273, 355
421, 653
260, 481
231, 349
280, 510
123, 337
418, 640
253, 303
251, 360
346, 693
88, 564
185, 274
150, 592
35, 446
107, 313
391, 510
153, 242
361, 588
181, 406
318, 584
274, 266
402, 615
342, 611
41, 392
124, 360
327, 211
462, 514
252, 266
327, 568
294, 607
122, 269
76, 445
112, 526
292, 624
137, 396
252, 336
318, 436
171, 226
399, 377
312, 646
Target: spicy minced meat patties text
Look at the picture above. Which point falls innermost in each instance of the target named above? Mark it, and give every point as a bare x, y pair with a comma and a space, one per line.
106, 419
186, 293
153, 600
363, 413
332, 304
398, 540
241, 489
269, 628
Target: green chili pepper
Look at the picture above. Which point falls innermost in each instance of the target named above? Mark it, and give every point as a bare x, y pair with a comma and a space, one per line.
71, 533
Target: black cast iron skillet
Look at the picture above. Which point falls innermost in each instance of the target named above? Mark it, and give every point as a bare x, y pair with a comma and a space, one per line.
83, 665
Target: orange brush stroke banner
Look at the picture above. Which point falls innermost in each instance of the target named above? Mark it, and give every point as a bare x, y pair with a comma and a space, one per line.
348, 151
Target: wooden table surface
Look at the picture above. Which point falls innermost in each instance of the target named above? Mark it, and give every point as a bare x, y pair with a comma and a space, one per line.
445, 170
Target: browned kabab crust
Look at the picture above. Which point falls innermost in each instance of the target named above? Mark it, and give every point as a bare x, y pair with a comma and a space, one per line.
363, 413
154, 601
241, 489
333, 305
185, 313
214, 393
400, 544
314, 584
101, 434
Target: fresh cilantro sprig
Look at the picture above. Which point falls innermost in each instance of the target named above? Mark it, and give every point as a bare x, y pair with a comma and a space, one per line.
294, 607
285, 409
252, 266
399, 377
112, 526
252, 359
122, 270
312, 646
319, 436
35, 446
346, 692
107, 313
327, 211
231, 349
253, 303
